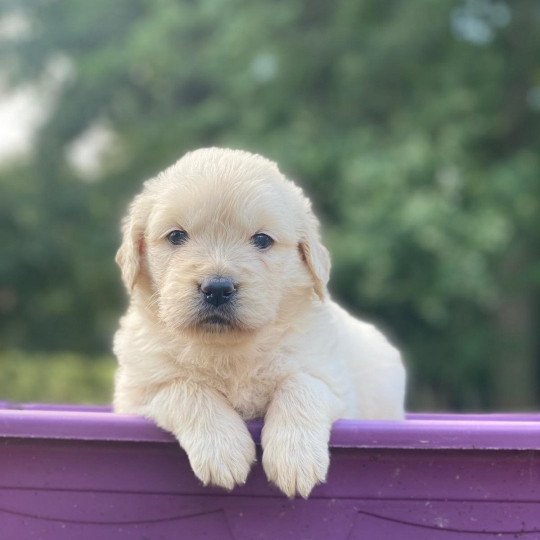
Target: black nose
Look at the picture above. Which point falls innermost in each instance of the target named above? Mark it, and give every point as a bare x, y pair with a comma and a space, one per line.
218, 290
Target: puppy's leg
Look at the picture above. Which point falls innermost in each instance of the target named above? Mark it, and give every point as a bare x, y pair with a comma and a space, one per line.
296, 433
215, 438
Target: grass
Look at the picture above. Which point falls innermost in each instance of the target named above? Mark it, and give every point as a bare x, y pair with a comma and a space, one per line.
55, 377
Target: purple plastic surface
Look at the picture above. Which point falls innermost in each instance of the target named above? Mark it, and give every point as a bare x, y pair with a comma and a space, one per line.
86, 473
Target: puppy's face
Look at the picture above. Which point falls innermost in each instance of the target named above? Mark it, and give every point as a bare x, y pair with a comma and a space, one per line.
222, 245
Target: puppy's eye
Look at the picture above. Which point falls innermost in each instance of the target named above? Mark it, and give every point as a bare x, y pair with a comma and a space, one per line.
261, 241
177, 237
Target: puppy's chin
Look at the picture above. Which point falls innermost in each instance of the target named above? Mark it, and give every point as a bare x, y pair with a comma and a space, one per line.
215, 323
228, 325
215, 329
211, 327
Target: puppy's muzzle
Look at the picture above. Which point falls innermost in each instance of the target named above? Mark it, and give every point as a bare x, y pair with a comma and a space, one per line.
218, 290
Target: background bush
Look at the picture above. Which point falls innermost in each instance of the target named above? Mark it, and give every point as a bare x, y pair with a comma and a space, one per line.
58, 377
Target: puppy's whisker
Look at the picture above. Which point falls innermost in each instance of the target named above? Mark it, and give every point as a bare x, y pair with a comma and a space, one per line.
153, 300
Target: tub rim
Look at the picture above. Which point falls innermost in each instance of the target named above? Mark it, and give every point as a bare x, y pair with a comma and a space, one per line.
419, 431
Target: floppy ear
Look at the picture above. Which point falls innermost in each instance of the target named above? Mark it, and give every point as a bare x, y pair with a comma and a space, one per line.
129, 255
314, 254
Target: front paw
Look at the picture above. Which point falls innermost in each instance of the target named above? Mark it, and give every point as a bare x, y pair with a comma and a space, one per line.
221, 459
296, 459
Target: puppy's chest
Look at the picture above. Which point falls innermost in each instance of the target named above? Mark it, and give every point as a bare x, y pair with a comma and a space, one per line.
249, 391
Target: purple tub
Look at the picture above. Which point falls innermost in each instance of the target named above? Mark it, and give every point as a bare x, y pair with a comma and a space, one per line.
88, 474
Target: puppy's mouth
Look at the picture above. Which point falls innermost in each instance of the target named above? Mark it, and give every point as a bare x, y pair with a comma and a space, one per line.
212, 321
216, 321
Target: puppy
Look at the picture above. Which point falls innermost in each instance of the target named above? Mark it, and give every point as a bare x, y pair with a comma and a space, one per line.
230, 319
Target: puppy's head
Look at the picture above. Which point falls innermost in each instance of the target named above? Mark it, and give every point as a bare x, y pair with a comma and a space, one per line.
222, 244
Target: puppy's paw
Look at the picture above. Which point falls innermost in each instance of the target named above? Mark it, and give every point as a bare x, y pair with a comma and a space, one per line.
296, 459
221, 459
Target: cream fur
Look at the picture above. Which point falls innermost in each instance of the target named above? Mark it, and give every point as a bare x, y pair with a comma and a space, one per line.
294, 357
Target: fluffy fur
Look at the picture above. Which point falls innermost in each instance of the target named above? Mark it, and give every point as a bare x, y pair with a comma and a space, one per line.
289, 354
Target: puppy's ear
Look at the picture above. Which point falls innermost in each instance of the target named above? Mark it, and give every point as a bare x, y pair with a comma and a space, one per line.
129, 255
314, 254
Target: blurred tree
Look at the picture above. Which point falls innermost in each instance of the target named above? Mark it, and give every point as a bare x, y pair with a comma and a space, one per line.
415, 127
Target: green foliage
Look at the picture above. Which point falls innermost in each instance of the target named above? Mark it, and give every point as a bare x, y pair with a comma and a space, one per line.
56, 378
418, 141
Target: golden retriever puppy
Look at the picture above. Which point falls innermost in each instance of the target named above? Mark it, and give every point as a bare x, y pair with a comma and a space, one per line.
230, 319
